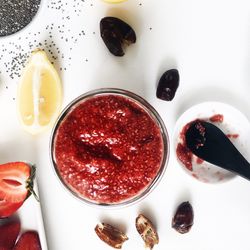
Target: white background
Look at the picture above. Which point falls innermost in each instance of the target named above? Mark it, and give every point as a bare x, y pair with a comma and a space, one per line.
209, 43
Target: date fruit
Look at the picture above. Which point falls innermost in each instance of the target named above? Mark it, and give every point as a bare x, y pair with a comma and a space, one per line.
110, 235
116, 33
168, 84
147, 231
184, 218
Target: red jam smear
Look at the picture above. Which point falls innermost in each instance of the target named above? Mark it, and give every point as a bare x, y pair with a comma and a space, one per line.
199, 160
216, 118
232, 136
185, 156
108, 149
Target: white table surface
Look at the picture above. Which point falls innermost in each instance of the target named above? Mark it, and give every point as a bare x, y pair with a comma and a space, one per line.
209, 43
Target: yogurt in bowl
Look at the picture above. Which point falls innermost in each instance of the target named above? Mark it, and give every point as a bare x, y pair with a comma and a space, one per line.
109, 147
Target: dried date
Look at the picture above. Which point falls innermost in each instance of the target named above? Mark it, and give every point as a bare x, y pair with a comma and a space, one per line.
110, 235
115, 34
168, 84
184, 218
147, 231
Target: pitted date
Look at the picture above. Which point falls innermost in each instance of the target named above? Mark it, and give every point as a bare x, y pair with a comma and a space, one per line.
115, 34
168, 84
147, 231
110, 235
183, 218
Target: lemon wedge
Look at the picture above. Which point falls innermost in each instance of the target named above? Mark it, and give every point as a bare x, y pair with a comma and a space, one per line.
39, 94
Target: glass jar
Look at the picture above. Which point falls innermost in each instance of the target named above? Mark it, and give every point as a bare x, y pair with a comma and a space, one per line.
109, 147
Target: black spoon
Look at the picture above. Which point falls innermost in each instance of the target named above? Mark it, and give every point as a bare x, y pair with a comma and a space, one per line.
209, 143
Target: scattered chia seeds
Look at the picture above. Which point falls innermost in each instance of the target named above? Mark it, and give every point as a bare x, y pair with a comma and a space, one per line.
63, 6
59, 34
58, 37
16, 14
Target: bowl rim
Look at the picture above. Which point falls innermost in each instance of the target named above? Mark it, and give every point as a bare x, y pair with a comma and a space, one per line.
150, 110
38, 14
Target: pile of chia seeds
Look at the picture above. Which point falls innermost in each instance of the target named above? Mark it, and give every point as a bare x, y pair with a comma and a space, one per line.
16, 14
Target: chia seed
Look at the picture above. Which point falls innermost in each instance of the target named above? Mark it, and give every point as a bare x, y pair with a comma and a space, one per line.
16, 14
15, 54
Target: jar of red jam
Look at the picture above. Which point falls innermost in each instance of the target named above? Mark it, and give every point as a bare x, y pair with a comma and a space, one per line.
109, 147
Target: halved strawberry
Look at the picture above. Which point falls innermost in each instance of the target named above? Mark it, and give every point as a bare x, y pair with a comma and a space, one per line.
8, 234
16, 185
8, 208
16, 181
28, 241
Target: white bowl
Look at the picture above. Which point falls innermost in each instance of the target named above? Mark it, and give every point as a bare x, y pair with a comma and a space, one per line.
234, 123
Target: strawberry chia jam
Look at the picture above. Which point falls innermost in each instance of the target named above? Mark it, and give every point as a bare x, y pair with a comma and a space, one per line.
109, 148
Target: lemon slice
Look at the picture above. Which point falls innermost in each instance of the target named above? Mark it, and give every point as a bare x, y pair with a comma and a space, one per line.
39, 94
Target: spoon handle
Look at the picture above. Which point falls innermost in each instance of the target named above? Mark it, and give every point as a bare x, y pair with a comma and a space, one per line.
230, 158
239, 165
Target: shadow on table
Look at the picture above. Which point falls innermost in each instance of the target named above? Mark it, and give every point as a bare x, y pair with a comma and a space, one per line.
216, 94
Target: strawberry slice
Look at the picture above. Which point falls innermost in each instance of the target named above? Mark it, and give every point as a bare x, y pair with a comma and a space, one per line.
8, 234
8, 208
16, 181
16, 185
28, 241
